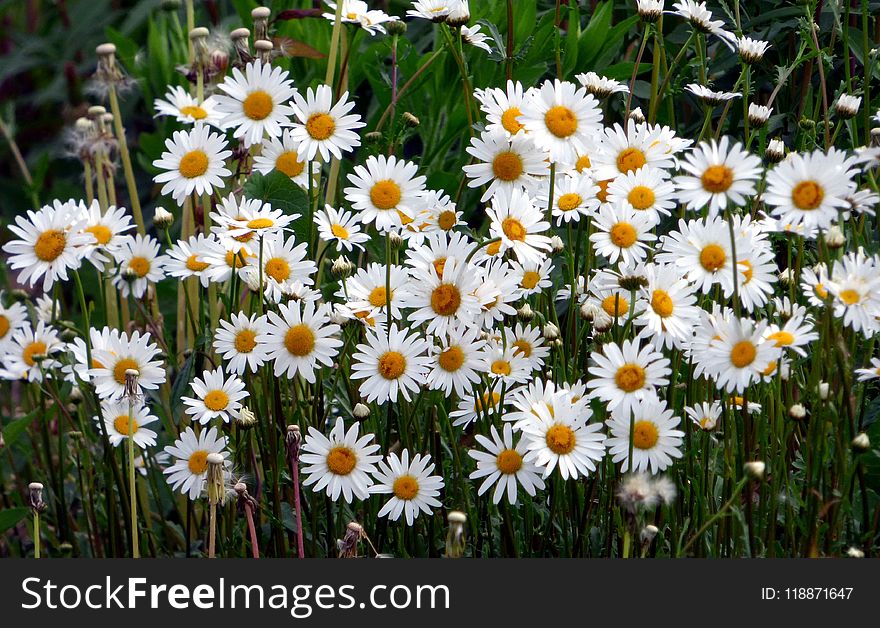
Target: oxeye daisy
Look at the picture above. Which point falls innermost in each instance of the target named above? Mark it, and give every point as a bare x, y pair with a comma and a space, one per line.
532, 278
574, 196
222, 262
704, 415
79, 364
503, 107
341, 228
445, 300
283, 155
437, 249
12, 319
284, 264
796, 334
322, 127
30, 352
107, 230
456, 360
115, 415
528, 341
504, 466
627, 374
648, 428
504, 162
519, 225
301, 338
506, 364
474, 408
702, 249
412, 487
869, 373
758, 274
857, 300
190, 454
645, 190
668, 309
561, 118
601, 86
358, 12
564, 439
50, 242
622, 233
122, 353
814, 284
809, 189
621, 150
718, 173
709, 96
538, 392
217, 396
391, 366
241, 341
738, 356
254, 216
496, 293
181, 106
193, 162
139, 265
701, 18
366, 291
385, 188
186, 259
255, 102
341, 463
434, 10
440, 213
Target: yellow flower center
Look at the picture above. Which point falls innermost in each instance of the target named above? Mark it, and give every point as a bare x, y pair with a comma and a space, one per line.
35, 348
748, 270
193, 164
446, 220
717, 179
509, 461
339, 231
320, 126
101, 233
523, 347
514, 229
445, 299
406, 487
385, 194
194, 111
820, 291
193, 264
392, 364
630, 377
4, 326
121, 367
216, 400
641, 197
439, 266
743, 354
379, 297
341, 460
623, 235
488, 399
569, 202
615, 305
258, 105
530, 279
451, 359
289, 163
278, 269
560, 439
299, 340
582, 164
493, 249
140, 266
630, 159
807, 195
198, 462
236, 260
662, 304
507, 166
245, 340
712, 257
602, 194
121, 425
260, 223
850, 297
510, 122
645, 435
781, 338
49, 245
770, 368
501, 367
561, 121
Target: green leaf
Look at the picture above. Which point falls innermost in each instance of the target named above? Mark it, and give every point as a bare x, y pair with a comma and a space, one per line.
282, 193
594, 35
16, 428
10, 517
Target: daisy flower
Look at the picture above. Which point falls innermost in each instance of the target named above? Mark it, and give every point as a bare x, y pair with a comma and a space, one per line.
473, 408
283, 155
366, 292
867, 374
255, 102
122, 353
217, 396
440, 213
814, 284
437, 249
702, 249
50, 242
667, 311
340, 227
284, 263
627, 375
181, 106
532, 278
507, 364
622, 233
434, 10
504, 466
190, 453
809, 189
193, 162
222, 262
797, 332
649, 430
391, 366
717, 174
646, 190
300, 337
738, 356
107, 231
385, 188
601, 86
704, 415
496, 291
562, 118
528, 341
322, 127
455, 362
29, 352
79, 364
255, 217
412, 487
358, 12
574, 196
563, 439
503, 107
758, 274
751, 50
241, 341
520, 225
472, 35
710, 96
341, 463
12, 319
443, 301
185, 259
620, 150
139, 265
701, 19
118, 424
504, 163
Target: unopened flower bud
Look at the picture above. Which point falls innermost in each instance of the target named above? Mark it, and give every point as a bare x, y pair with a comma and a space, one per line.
847, 106
551, 331
861, 443
775, 151
246, 419
855, 552
834, 237
395, 240
557, 244
797, 411
637, 115
410, 120
361, 411
396, 28
755, 470
648, 533
759, 115
163, 218
525, 313
373, 137
786, 276
824, 391
342, 268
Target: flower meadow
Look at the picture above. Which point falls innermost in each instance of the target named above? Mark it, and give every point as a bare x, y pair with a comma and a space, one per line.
439, 278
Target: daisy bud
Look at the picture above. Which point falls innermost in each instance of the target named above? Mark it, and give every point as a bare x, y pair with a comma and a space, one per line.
775, 151
361, 411
396, 28
824, 391
786, 276
35, 497
410, 120
260, 16
551, 331
750, 50
637, 115
861, 443
75, 436
215, 485
806, 124
602, 322
784, 372
755, 470
342, 268
834, 237
395, 240
648, 533
246, 419
633, 282
264, 50
847, 106
557, 344
459, 14
557, 244
373, 137
650, 10
525, 313
163, 218
797, 411
855, 552
337, 317
759, 115
455, 534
